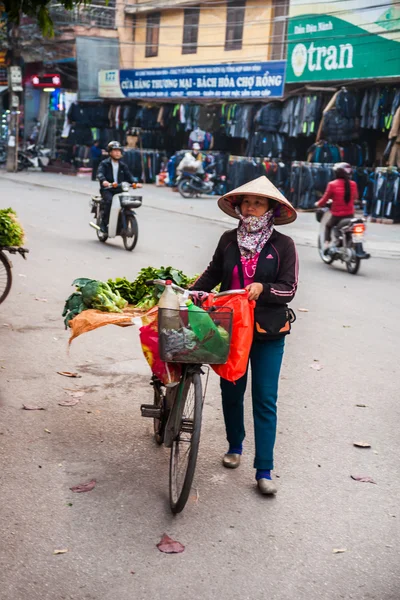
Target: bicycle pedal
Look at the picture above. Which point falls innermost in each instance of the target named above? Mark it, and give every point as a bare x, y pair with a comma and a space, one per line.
151, 411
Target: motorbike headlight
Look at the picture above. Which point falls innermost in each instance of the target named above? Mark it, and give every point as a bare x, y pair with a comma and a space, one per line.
125, 186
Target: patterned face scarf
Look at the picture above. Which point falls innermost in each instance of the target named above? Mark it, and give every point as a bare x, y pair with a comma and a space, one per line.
253, 233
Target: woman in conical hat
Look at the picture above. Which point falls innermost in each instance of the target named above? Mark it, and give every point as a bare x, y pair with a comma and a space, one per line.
264, 261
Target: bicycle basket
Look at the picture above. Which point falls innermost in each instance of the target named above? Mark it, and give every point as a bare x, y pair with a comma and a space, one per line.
202, 337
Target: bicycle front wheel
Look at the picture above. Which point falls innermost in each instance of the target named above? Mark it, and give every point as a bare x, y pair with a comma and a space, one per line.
5, 277
185, 447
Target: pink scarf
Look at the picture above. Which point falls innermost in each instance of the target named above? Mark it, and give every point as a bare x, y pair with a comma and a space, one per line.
253, 233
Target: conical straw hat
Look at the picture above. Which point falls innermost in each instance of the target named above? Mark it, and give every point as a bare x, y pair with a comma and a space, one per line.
262, 186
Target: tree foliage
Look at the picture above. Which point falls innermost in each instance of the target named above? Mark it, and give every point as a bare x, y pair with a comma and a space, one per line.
36, 9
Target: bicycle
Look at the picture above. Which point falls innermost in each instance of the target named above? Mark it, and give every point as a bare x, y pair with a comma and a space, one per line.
5, 269
177, 411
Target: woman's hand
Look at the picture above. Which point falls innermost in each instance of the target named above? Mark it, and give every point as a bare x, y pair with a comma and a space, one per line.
255, 289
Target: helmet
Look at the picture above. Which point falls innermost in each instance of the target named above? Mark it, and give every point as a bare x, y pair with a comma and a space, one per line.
196, 146
114, 146
345, 167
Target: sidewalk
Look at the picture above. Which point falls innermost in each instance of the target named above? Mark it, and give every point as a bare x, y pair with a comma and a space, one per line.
383, 241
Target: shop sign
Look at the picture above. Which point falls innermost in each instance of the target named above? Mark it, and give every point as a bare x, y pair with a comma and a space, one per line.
52, 80
15, 79
360, 43
233, 81
109, 86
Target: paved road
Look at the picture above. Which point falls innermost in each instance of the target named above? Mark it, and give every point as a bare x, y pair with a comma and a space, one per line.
238, 545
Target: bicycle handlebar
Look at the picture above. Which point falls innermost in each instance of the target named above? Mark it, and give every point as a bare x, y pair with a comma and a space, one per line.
175, 287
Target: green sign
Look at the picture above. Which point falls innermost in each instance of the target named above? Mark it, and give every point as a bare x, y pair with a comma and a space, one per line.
356, 42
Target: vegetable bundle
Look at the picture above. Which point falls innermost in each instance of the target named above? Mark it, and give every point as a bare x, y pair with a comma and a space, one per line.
92, 294
145, 296
11, 232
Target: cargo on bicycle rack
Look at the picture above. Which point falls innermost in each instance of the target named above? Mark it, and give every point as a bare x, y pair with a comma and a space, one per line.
193, 335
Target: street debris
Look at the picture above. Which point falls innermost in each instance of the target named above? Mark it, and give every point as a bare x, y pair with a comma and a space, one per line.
362, 478
75, 394
169, 546
339, 550
32, 407
362, 444
41, 299
316, 366
83, 487
47, 431
68, 374
303, 310
69, 402
362, 405
62, 551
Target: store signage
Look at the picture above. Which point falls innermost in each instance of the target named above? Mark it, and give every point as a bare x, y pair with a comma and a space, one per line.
231, 81
52, 80
15, 79
360, 43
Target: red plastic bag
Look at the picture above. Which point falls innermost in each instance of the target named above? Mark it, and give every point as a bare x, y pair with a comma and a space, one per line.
242, 334
168, 373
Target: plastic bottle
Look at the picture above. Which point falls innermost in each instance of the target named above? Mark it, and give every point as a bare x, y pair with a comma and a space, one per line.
169, 302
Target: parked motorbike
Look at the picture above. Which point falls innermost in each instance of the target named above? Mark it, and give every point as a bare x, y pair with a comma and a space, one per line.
122, 216
347, 244
34, 156
192, 185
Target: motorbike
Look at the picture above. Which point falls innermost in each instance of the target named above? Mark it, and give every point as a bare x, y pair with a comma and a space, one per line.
347, 245
192, 185
34, 156
122, 216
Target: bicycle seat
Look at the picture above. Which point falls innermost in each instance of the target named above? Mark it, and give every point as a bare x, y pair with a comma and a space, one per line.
97, 198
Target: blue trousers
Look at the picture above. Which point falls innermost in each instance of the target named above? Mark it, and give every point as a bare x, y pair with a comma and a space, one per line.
266, 359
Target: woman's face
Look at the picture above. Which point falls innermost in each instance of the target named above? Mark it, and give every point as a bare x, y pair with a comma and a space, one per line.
254, 206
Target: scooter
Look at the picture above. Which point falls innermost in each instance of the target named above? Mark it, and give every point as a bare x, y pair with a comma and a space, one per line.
347, 245
34, 156
122, 215
191, 185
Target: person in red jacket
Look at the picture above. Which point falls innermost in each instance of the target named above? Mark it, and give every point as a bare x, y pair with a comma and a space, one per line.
343, 192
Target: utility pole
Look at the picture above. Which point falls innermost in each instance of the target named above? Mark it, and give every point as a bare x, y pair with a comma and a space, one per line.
14, 87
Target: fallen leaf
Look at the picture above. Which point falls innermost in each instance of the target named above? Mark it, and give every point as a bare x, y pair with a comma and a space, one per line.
32, 407
362, 444
365, 479
69, 402
362, 405
63, 551
303, 310
47, 431
346, 326
132, 572
83, 487
316, 366
339, 550
41, 299
169, 546
77, 394
68, 374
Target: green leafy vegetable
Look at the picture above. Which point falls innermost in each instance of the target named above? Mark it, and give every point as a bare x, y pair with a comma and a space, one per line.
11, 232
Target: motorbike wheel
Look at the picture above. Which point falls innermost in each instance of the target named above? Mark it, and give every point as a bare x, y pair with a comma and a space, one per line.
131, 233
185, 189
326, 258
102, 237
353, 265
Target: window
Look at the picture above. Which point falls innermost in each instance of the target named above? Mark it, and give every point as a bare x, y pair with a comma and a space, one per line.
133, 28
280, 11
190, 30
234, 24
152, 34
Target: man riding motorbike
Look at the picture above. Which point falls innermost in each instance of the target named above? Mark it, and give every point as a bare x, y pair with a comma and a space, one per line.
343, 192
110, 173
192, 161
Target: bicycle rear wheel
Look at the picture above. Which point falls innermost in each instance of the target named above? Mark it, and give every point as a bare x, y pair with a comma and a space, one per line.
5, 277
185, 447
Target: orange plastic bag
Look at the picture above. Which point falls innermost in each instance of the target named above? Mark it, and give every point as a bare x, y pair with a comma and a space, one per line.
168, 373
242, 334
